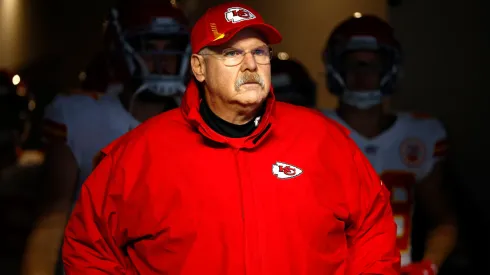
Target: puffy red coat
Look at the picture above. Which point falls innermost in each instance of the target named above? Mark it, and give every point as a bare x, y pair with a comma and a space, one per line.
174, 197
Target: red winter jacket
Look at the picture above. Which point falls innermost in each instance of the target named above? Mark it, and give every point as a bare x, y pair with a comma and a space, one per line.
174, 197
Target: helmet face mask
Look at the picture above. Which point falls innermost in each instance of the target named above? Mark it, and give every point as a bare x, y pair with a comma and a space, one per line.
367, 34
159, 62
163, 45
163, 54
153, 41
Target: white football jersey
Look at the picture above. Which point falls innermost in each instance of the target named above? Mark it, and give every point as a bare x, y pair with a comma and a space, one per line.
402, 156
87, 124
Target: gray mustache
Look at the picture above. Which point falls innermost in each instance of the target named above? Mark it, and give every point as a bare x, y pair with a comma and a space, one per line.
249, 78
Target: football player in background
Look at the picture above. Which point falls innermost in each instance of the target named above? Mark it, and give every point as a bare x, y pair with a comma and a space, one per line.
20, 171
13, 122
362, 60
292, 83
147, 51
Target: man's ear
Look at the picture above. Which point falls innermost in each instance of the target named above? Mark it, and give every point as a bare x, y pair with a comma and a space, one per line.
198, 68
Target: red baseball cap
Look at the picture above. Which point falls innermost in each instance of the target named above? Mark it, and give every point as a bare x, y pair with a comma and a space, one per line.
220, 23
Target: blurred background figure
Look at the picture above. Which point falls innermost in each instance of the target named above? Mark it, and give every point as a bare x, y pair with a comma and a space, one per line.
21, 192
14, 117
292, 82
363, 60
141, 71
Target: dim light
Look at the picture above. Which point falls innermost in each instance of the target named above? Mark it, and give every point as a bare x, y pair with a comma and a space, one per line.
21, 91
16, 79
283, 55
31, 105
82, 76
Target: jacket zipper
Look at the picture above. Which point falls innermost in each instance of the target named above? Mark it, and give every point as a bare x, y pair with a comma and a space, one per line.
240, 186
259, 136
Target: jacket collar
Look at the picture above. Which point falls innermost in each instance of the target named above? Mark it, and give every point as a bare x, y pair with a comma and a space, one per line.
190, 110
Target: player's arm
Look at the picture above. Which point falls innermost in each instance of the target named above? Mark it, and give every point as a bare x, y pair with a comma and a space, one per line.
442, 239
372, 232
61, 174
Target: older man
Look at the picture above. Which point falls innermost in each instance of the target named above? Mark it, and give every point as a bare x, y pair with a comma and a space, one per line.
233, 183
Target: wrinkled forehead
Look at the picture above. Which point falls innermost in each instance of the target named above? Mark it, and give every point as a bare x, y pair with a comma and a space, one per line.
245, 39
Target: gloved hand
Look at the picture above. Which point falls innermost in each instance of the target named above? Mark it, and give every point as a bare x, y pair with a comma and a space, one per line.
425, 267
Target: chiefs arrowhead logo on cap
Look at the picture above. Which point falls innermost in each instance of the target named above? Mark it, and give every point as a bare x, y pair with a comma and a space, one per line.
220, 23
237, 14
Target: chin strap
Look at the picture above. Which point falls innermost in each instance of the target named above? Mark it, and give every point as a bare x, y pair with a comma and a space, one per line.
362, 99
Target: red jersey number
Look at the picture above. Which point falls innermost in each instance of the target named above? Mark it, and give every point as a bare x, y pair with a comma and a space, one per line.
401, 185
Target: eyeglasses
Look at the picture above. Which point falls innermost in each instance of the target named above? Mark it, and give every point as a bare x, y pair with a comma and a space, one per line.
233, 57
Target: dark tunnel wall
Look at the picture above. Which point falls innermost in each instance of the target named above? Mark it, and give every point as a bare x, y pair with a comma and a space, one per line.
446, 74
53, 40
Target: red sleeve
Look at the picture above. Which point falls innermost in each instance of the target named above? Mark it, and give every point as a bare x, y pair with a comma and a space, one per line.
92, 237
371, 233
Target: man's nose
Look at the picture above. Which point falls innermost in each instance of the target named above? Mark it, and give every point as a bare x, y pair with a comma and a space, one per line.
249, 62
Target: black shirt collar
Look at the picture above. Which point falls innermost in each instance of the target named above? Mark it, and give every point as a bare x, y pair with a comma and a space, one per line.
226, 128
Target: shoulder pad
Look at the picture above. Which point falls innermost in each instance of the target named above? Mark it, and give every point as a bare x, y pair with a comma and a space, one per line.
433, 129
63, 106
92, 94
60, 113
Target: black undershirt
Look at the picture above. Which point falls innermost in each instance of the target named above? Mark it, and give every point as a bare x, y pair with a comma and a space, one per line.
226, 128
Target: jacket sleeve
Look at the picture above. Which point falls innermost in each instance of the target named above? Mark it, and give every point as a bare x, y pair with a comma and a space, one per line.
371, 234
93, 239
